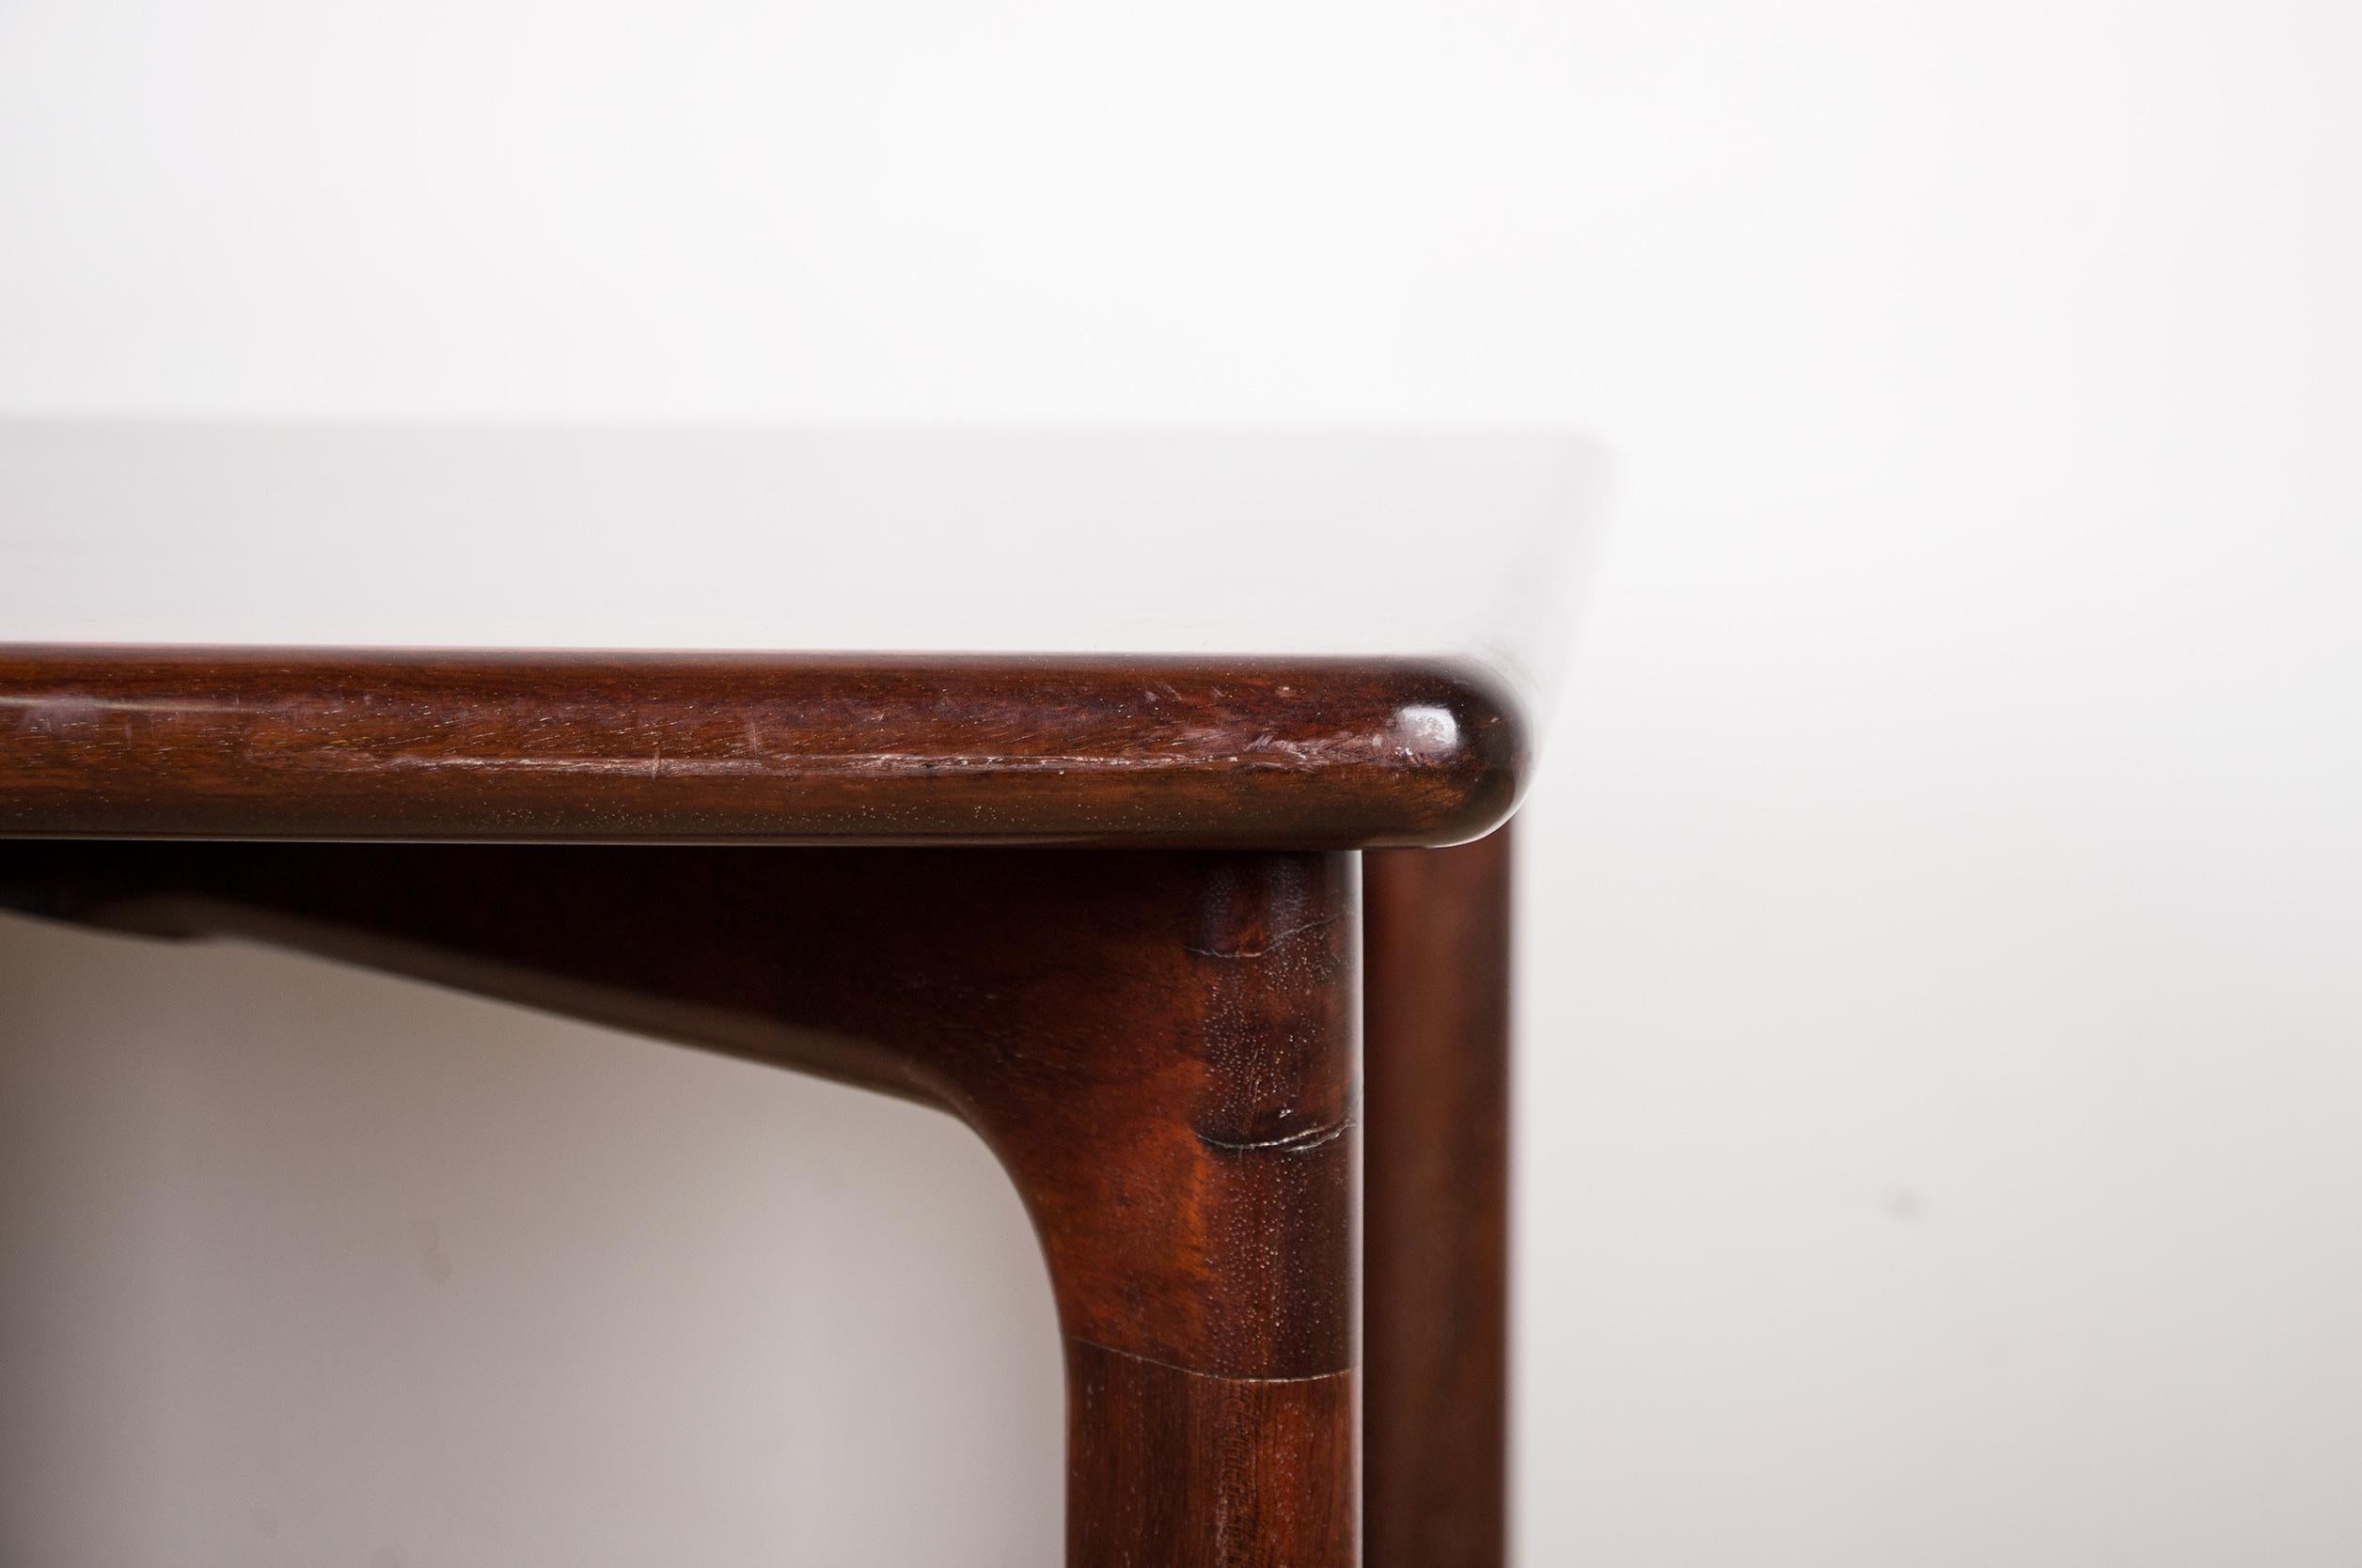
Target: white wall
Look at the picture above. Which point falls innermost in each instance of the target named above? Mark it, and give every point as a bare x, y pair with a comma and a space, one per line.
1941, 1007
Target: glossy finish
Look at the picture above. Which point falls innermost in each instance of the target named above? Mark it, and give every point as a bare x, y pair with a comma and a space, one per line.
747, 748
1438, 926
1163, 1048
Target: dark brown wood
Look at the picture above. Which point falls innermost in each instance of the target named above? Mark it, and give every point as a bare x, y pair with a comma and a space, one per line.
1161, 1047
752, 748
1257, 1473
1438, 925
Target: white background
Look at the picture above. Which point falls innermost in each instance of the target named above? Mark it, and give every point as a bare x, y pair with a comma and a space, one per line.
1941, 1017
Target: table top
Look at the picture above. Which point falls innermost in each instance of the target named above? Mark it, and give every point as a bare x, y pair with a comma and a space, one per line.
1301, 638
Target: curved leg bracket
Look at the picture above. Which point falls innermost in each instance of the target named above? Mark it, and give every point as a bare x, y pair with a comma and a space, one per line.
1163, 1049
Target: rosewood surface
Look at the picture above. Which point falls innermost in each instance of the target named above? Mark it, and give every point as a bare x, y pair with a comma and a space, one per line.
1437, 926
752, 748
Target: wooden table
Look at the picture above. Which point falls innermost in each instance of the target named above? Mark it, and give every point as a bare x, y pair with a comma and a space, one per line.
1140, 919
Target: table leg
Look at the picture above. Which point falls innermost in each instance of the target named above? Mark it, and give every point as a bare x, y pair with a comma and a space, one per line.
1437, 932
1212, 1386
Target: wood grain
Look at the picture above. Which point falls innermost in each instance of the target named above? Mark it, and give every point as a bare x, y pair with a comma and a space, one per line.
1195, 1470
752, 748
